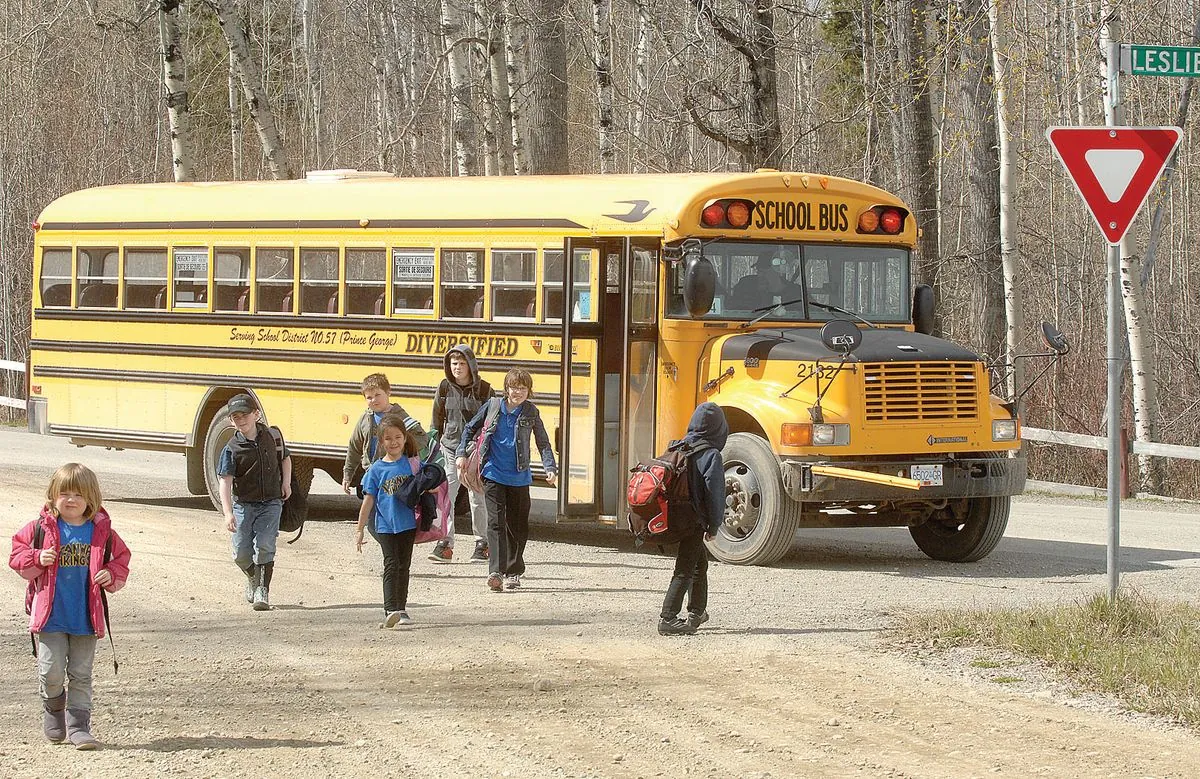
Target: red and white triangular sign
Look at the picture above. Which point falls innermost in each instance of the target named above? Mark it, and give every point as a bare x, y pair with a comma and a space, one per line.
1114, 168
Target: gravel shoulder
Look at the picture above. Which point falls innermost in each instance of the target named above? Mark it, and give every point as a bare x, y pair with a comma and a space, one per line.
567, 677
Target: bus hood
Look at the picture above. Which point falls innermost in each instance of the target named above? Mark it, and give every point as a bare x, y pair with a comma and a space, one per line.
803, 344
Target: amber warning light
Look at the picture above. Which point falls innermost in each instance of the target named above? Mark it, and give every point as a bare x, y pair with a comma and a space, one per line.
727, 213
882, 220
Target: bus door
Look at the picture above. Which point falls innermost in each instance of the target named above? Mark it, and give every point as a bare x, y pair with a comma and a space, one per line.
639, 374
590, 388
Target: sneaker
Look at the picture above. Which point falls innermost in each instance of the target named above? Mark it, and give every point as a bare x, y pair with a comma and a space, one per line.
480, 555
442, 552
675, 627
696, 620
403, 618
393, 617
496, 582
261, 602
512, 582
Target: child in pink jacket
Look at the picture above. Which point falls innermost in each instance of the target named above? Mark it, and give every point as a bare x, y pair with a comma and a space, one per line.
62, 555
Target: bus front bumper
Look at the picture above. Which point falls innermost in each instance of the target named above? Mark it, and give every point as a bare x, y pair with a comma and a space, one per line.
969, 477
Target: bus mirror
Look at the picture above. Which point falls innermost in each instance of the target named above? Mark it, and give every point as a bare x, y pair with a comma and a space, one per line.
841, 336
922, 309
1055, 339
699, 285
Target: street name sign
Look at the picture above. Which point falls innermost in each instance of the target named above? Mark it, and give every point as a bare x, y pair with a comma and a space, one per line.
1150, 60
1114, 168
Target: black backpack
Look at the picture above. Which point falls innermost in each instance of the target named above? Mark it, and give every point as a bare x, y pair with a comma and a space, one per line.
295, 508
39, 535
654, 486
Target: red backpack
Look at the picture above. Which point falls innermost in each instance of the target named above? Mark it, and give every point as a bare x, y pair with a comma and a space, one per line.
653, 485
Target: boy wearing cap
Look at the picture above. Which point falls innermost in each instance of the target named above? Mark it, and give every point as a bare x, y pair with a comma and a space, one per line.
255, 481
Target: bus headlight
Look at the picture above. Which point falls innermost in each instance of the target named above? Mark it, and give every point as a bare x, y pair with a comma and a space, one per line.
831, 435
1004, 430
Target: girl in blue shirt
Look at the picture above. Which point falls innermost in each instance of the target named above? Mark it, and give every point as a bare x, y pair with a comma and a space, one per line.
395, 523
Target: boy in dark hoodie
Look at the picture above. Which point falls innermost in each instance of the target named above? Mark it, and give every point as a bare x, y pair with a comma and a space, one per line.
706, 435
457, 400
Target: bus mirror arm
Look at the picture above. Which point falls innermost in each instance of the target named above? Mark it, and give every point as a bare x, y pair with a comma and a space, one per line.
1059, 347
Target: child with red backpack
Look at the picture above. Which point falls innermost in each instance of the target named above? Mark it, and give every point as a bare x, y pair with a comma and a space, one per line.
71, 557
704, 511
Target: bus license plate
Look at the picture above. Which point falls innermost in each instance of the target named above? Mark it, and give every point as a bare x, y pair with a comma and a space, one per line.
928, 475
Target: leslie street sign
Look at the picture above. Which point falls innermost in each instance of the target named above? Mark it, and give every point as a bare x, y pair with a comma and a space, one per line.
1142, 60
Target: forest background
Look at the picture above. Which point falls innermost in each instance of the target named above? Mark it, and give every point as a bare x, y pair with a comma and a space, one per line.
945, 103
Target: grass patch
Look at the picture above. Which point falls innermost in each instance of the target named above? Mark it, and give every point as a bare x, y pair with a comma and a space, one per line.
1007, 679
1145, 652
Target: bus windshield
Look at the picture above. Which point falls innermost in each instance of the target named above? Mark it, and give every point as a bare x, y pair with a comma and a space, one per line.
871, 281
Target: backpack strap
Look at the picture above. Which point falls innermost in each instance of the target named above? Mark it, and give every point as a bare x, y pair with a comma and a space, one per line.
104, 603
39, 536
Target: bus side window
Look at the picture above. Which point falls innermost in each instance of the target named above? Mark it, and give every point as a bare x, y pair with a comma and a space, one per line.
191, 277
552, 297
232, 279
97, 270
56, 277
366, 273
145, 277
462, 283
273, 273
412, 281
513, 284
318, 281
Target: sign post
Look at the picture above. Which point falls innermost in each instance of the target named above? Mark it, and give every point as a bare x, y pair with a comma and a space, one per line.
1114, 169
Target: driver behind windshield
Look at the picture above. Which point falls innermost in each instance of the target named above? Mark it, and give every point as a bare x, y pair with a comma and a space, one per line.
767, 285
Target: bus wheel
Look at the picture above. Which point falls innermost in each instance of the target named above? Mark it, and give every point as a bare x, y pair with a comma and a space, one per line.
760, 518
967, 535
219, 433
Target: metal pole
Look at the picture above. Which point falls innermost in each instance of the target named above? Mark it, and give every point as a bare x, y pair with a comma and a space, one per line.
1114, 352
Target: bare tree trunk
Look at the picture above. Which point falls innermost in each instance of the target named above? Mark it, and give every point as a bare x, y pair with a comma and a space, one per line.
868, 73
546, 116
235, 122
246, 68
500, 97
1010, 260
641, 85
516, 40
601, 33
314, 71
175, 82
458, 58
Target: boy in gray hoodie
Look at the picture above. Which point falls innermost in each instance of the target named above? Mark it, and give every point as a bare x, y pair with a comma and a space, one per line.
457, 400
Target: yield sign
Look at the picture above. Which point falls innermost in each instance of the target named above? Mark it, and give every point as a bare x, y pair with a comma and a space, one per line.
1114, 168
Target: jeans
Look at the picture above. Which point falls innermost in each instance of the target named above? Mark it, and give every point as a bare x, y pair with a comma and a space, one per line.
62, 657
690, 576
397, 559
479, 517
508, 527
257, 529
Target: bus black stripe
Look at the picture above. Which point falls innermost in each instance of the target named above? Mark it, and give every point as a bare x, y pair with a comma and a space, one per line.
321, 224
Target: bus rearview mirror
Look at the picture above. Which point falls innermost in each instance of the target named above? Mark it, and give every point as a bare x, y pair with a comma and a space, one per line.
699, 285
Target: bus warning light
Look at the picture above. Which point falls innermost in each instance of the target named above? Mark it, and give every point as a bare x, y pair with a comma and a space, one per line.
891, 221
713, 215
738, 213
868, 221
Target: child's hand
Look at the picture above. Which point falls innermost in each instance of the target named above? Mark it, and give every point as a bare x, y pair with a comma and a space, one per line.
358, 540
460, 462
103, 577
46, 557
230, 523
346, 486
287, 490
552, 480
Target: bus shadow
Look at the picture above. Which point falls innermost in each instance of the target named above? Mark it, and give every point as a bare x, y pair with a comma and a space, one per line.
892, 550
192, 502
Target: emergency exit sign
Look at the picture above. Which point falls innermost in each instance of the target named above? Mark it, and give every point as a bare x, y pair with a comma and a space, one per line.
1141, 60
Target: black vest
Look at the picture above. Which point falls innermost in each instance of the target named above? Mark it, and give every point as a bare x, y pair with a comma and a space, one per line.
256, 471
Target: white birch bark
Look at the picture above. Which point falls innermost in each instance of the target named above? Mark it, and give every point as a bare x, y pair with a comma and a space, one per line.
175, 83
313, 71
256, 97
235, 123
458, 56
604, 94
515, 40
642, 83
1010, 260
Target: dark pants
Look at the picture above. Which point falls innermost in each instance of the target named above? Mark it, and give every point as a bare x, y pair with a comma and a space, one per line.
691, 577
397, 558
508, 527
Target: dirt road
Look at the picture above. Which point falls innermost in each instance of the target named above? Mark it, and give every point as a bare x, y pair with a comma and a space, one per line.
567, 677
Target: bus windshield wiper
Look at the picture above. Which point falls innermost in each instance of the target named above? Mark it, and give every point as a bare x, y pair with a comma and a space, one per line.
768, 310
839, 310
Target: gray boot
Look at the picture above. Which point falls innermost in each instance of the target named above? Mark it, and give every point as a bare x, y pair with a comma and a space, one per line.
251, 580
54, 722
79, 729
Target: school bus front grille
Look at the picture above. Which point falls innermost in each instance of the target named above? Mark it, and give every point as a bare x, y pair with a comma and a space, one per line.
921, 391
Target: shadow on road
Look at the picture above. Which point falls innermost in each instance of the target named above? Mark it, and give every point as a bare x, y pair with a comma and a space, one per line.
184, 743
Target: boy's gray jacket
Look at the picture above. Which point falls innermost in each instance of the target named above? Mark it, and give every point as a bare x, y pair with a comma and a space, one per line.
358, 453
454, 405
529, 421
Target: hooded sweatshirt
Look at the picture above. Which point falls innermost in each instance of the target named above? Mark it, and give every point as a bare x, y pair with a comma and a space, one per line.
455, 405
707, 431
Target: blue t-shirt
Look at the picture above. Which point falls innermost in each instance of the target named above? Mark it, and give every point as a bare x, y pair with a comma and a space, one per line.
382, 481
70, 613
501, 465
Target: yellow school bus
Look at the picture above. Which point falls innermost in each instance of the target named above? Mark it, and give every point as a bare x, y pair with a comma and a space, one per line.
786, 298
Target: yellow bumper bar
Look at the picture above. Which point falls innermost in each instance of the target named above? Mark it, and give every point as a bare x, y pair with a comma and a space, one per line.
875, 478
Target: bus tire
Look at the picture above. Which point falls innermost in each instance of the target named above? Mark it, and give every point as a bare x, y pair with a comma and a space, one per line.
219, 433
969, 539
760, 517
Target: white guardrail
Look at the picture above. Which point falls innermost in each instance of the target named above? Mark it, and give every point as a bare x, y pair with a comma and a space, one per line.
19, 367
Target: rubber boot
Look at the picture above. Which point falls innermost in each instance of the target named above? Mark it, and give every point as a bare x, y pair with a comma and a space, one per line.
54, 722
79, 729
251, 581
262, 600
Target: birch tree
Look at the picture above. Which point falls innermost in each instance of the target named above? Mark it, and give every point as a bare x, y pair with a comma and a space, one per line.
458, 64
602, 58
175, 84
1010, 260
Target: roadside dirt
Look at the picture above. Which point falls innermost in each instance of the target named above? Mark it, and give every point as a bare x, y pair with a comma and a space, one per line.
565, 677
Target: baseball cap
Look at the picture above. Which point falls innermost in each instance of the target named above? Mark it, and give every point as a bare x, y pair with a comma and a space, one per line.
241, 404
